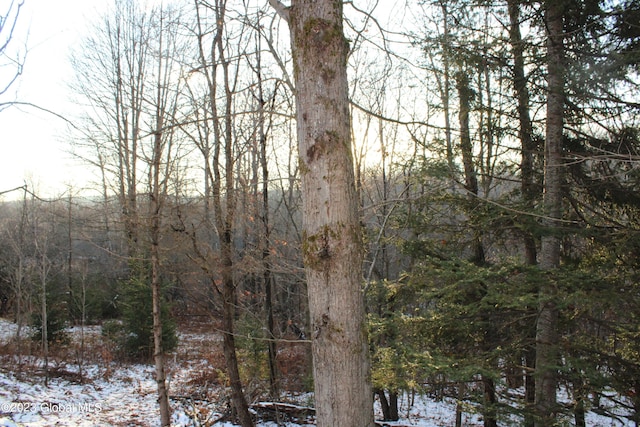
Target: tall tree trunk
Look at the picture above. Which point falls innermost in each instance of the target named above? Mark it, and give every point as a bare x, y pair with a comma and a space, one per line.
267, 277
229, 346
471, 185
45, 320
444, 85
20, 273
547, 356
225, 223
332, 245
223, 211
528, 187
527, 141
156, 294
158, 349
470, 174
158, 181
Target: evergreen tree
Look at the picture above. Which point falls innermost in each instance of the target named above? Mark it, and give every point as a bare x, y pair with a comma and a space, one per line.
138, 320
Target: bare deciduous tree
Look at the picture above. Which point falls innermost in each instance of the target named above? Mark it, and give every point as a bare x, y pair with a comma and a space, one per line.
219, 155
130, 72
161, 163
11, 63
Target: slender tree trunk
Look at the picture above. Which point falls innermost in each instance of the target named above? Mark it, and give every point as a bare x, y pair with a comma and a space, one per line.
158, 349
547, 356
461, 391
444, 87
489, 412
83, 316
70, 257
229, 346
332, 246
529, 385
470, 174
529, 145
580, 395
156, 199
274, 388
384, 404
156, 295
223, 211
471, 185
20, 244
226, 225
529, 192
393, 406
267, 278
45, 320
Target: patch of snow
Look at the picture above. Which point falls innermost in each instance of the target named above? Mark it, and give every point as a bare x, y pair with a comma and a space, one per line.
7, 331
125, 395
127, 398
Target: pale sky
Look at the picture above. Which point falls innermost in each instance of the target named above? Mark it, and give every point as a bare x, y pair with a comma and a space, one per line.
33, 148
32, 142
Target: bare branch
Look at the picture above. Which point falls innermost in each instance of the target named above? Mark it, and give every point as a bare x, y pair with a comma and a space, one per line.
22, 187
280, 8
8, 23
37, 107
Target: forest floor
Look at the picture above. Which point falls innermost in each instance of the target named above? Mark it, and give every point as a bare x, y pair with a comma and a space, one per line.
91, 388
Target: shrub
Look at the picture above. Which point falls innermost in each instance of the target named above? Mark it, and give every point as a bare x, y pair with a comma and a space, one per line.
137, 316
56, 324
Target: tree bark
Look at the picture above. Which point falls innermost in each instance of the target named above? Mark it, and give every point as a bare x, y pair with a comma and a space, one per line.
489, 412
332, 245
389, 405
229, 346
530, 193
156, 295
546, 329
393, 406
443, 86
158, 349
384, 404
525, 132
529, 385
470, 174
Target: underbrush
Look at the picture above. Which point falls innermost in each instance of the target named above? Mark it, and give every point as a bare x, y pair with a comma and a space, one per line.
196, 369
67, 359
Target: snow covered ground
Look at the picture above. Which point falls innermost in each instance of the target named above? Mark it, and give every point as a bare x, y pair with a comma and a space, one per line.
116, 394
